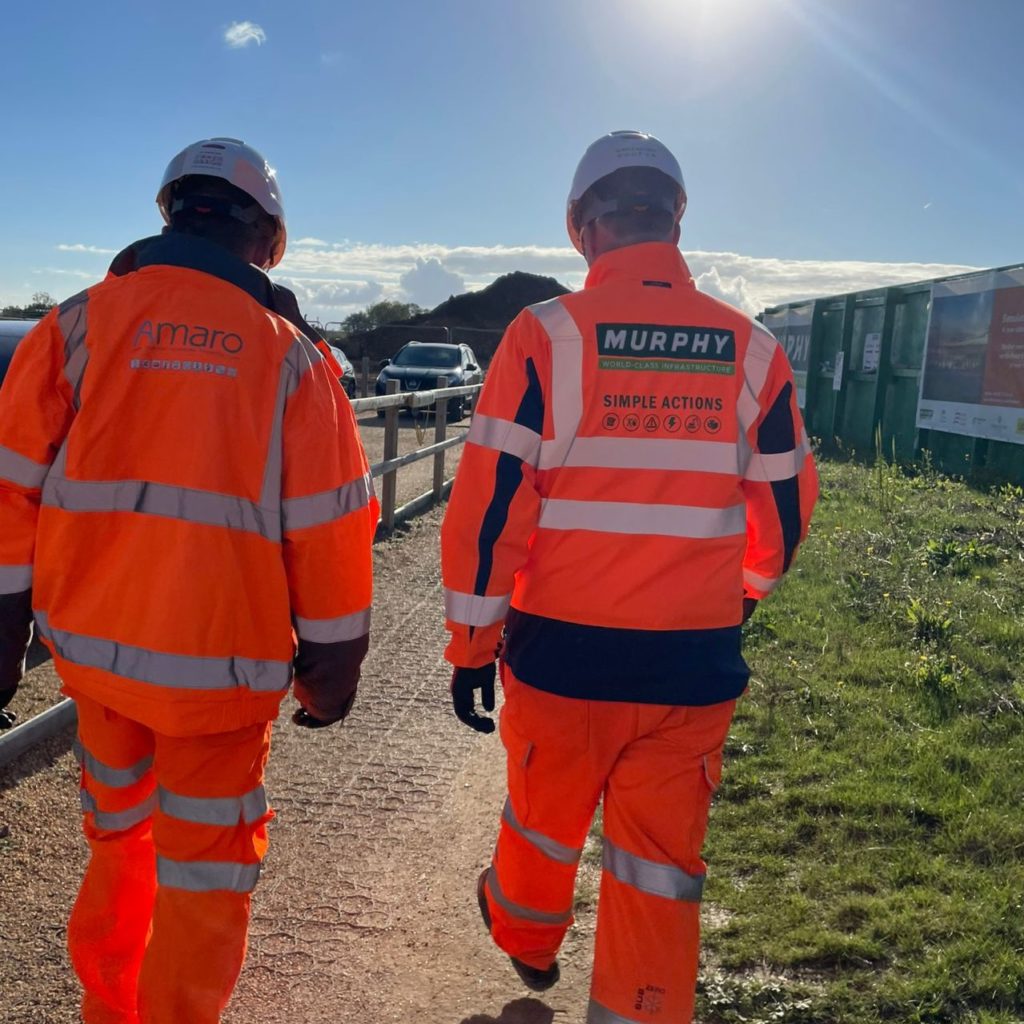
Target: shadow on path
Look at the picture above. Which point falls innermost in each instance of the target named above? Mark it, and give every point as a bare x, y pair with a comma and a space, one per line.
519, 1011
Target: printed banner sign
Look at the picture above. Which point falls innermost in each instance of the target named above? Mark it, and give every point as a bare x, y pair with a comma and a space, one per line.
792, 327
973, 379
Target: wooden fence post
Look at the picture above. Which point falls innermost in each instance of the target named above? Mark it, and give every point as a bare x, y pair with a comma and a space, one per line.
440, 430
387, 512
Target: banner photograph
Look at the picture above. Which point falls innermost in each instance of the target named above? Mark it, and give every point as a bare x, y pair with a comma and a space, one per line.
792, 329
973, 379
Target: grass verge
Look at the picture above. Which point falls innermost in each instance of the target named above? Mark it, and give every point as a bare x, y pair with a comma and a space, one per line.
866, 849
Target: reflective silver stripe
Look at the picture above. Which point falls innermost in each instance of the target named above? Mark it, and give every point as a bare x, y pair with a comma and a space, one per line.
20, 469
332, 631
651, 877
226, 811
598, 1014
474, 609
566, 379
505, 436
548, 846
747, 409
657, 520
206, 875
118, 821
72, 320
300, 358
523, 913
315, 509
150, 498
116, 778
180, 671
654, 453
760, 352
775, 467
756, 362
14, 579
766, 584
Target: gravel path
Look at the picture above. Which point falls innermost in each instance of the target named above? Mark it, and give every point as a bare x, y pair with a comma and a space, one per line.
365, 912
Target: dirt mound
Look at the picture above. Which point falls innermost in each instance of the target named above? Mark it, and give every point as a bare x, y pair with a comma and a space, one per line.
476, 318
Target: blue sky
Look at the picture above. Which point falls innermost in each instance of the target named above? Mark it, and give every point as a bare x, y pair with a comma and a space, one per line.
425, 148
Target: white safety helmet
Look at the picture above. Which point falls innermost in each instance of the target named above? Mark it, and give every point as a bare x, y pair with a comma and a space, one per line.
238, 164
611, 153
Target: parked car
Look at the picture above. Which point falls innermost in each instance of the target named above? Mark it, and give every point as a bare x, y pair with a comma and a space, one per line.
418, 364
348, 371
11, 332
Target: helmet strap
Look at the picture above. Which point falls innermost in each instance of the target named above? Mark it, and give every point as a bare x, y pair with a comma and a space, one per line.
212, 205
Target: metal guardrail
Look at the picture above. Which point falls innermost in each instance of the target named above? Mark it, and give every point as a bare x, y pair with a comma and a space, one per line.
38, 728
392, 404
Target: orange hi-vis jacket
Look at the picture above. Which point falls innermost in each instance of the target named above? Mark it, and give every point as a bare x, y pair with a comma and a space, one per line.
637, 465
183, 490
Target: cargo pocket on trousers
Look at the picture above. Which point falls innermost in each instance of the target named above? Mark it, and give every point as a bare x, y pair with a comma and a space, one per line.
518, 750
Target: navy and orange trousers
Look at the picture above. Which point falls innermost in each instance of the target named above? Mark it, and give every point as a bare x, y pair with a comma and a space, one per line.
177, 828
655, 768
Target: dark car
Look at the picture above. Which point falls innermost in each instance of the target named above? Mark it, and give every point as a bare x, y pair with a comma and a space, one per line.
418, 364
11, 332
348, 371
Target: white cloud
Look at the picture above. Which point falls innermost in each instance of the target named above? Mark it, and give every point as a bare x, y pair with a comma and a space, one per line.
750, 282
430, 282
330, 296
333, 279
733, 290
79, 247
83, 275
243, 33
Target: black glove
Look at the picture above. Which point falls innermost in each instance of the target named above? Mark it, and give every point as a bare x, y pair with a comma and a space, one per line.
465, 683
749, 607
302, 717
7, 718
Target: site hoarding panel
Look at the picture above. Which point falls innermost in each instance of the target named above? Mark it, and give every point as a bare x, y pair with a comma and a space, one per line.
973, 378
791, 326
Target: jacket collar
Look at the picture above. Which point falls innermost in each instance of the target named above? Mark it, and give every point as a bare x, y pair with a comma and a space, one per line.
177, 250
173, 249
647, 261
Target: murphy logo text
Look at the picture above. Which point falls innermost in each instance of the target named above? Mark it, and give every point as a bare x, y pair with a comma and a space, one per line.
670, 348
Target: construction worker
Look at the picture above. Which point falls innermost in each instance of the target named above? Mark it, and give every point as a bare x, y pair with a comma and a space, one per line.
635, 479
185, 507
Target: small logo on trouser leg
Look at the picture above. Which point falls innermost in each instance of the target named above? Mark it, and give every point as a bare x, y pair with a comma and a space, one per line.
649, 999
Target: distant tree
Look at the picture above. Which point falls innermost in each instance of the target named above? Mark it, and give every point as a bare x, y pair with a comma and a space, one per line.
386, 311
41, 304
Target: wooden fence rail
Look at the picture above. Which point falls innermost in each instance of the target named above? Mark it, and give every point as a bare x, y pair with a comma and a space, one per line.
392, 404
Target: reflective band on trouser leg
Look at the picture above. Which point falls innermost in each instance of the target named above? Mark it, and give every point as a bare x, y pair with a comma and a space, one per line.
226, 811
524, 913
548, 846
598, 1014
207, 876
651, 877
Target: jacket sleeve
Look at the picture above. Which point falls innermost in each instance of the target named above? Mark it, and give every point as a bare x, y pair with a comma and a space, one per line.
780, 481
329, 518
495, 504
36, 411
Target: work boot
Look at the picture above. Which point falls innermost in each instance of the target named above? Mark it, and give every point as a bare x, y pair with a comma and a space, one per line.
532, 977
